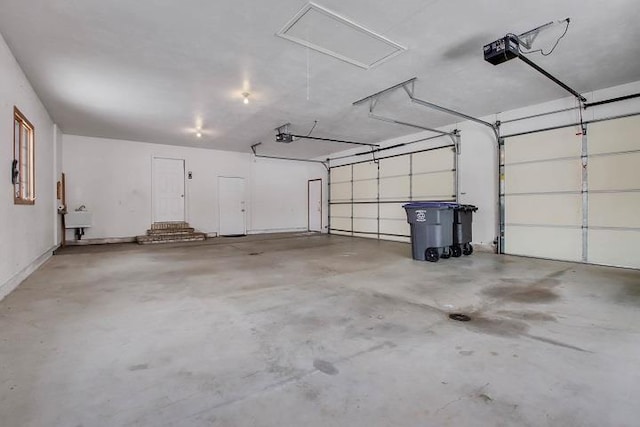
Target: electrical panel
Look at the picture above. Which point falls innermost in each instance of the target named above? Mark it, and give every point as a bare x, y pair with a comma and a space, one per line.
502, 50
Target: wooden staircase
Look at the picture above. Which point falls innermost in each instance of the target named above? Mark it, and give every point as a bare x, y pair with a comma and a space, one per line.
170, 232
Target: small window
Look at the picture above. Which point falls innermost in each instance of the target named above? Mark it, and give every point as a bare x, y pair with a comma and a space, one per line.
23, 170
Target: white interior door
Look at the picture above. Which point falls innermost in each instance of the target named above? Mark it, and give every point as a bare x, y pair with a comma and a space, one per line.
168, 190
232, 206
315, 205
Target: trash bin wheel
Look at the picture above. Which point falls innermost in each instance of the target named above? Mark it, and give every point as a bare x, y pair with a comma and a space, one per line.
468, 249
456, 251
432, 255
446, 253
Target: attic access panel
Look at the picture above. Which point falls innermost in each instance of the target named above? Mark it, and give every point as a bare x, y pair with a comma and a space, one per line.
327, 32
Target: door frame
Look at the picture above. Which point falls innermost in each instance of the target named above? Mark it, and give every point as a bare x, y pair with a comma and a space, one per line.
309, 200
184, 183
244, 198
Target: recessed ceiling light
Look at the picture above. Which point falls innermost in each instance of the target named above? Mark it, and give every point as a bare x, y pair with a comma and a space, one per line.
246, 97
199, 134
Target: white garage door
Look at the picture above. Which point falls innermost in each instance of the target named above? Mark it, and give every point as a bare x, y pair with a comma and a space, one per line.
366, 198
573, 197
340, 200
542, 195
614, 192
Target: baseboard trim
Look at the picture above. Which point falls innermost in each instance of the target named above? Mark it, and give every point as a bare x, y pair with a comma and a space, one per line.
484, 247
278, 230
110, 240
103, 241
15, 281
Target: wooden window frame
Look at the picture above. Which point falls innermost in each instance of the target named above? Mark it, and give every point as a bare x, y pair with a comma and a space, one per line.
19, 198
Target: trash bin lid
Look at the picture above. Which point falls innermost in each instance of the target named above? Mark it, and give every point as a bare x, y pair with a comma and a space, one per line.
467, 208
431, 205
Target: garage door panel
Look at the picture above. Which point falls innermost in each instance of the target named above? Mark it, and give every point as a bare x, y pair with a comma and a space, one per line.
544, 163
615, 172
343, 210
614, 247
340, 174
388, 181
399, 227
394, 188
545, 209
544, 242
614, 135
365, 225
615, 210
365, 190
394, 166
551, 176
392, 211
553, 144
430, 161
369, 210
365, 171
340, 192
440, 186
341, 223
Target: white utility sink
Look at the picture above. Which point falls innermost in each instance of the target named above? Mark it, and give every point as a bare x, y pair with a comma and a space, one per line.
78, 219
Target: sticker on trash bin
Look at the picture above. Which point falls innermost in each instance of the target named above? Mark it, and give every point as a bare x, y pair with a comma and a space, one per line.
421, 216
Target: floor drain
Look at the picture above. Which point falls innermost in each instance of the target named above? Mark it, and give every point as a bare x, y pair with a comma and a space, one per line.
459, 317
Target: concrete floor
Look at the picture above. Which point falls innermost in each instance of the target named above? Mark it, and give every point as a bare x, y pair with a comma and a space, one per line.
317, 331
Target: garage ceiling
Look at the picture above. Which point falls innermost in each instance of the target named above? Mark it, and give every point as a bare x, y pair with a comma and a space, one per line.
155, 70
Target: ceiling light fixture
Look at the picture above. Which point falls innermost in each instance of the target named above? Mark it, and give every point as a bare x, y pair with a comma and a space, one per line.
199, 135
246, 97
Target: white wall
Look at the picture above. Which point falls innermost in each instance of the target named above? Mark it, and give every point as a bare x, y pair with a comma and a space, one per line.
279, 194
26, 231
477, 162
112, 178
478, 182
